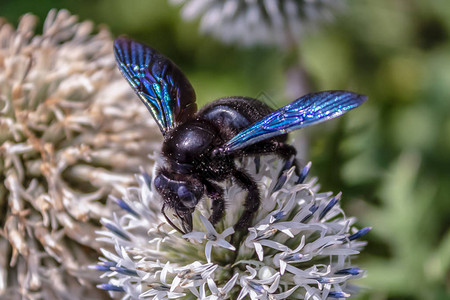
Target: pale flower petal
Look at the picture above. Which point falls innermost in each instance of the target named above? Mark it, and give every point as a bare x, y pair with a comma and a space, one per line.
208, 249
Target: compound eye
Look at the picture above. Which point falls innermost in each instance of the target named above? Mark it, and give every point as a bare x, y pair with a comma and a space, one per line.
159, 182
187, 197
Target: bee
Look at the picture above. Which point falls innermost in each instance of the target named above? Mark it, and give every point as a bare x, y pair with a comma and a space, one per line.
200, 146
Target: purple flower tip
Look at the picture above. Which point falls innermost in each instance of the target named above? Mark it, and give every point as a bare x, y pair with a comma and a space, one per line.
360, 233
117, 231
349, 271
110, 287
123, 205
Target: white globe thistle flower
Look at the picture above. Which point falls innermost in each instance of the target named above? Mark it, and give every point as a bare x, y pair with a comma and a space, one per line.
249, 22
300, 244
70, 134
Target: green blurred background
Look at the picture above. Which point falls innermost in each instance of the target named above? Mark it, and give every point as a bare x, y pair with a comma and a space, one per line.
390, 157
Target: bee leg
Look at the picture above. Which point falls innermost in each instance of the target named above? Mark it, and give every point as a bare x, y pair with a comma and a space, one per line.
282, 150
288, 153
252, 200
215, 193
257, 161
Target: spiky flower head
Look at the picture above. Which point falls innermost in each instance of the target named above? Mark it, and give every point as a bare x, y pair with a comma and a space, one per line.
249, 22
300, 245
70, 132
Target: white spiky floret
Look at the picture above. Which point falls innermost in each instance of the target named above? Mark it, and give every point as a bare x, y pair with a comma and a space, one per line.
71, 132
300, 245
249, 22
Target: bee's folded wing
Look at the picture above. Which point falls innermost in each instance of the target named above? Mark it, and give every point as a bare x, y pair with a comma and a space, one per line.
308, 110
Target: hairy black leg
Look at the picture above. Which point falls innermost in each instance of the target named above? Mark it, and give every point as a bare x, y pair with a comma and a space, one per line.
215, 193
257, 161
282, 150
288, 153
252, 200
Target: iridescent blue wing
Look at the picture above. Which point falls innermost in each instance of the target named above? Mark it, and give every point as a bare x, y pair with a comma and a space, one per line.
157, 81
307, 110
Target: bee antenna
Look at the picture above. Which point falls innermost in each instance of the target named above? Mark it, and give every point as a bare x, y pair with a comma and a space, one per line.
169, 221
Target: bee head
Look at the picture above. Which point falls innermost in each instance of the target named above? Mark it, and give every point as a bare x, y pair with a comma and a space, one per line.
181, 193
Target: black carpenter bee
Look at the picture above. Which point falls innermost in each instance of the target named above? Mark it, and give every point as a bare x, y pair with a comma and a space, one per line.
200, 147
